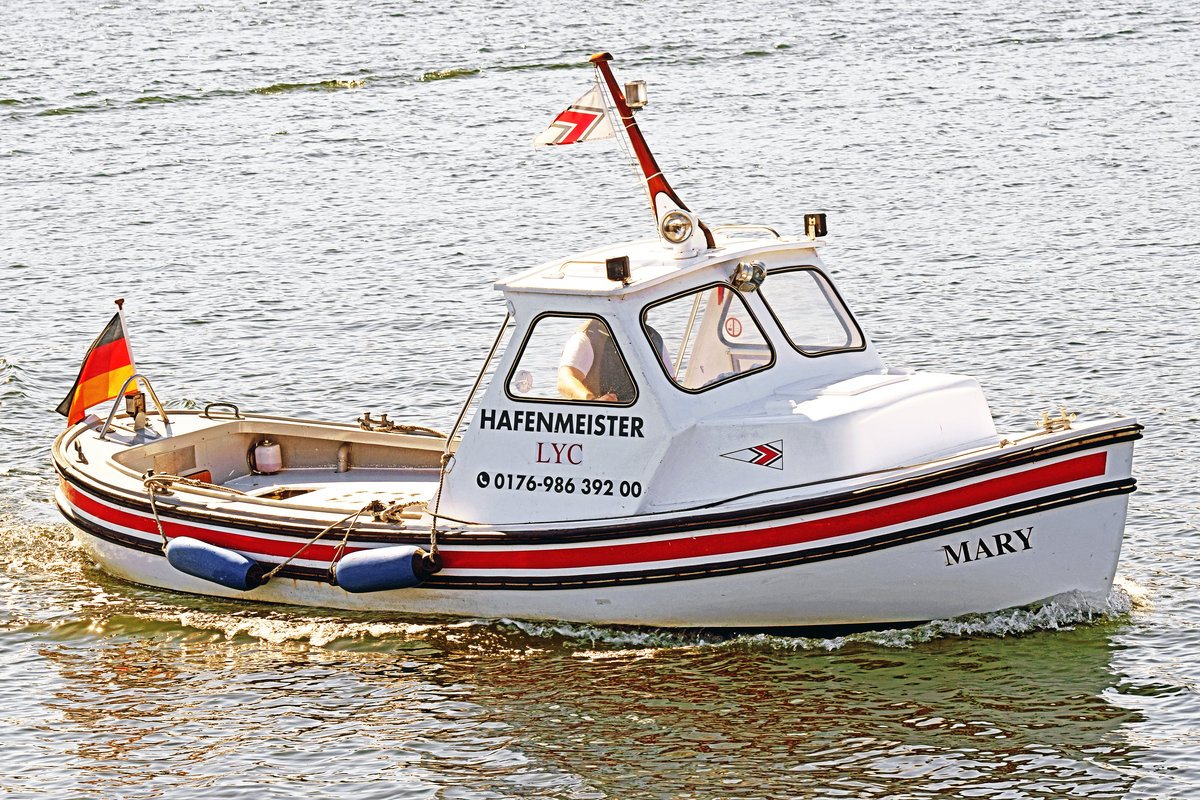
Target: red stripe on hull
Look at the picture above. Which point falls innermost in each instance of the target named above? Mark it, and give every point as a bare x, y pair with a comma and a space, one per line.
699, 546
719, 544
243, 543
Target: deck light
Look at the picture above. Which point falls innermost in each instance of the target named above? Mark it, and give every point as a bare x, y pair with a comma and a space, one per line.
617, 268
748, 276
135, 407
635, 94
814, 225
676, 227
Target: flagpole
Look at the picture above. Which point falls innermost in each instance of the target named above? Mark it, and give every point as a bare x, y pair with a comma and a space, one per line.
120, 301
656, 182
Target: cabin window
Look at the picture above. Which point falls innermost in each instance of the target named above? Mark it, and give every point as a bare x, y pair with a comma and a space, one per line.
810, 312
571, 358
706, 337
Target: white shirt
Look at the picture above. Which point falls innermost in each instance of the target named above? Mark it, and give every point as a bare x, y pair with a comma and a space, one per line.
578, 353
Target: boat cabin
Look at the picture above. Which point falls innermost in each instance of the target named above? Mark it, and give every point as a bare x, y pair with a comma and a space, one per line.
636, 382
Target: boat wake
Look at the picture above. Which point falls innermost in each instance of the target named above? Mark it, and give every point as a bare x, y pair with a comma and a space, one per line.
67, 596
1061, 613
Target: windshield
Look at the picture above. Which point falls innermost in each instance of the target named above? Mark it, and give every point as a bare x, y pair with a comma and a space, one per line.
706, 337
810, 312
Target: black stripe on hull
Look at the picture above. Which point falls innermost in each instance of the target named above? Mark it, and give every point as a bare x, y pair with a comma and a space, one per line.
672, 522
154, 547
836, 502
730, 567
138, 504
846, 550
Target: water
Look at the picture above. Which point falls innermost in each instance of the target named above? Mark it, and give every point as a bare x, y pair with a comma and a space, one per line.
304, 206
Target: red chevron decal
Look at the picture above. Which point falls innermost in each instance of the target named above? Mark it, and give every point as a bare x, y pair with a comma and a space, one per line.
768, 455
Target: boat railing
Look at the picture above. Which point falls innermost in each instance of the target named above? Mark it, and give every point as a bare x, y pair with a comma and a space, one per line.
561, 270
745, 229
207, 412
121, 396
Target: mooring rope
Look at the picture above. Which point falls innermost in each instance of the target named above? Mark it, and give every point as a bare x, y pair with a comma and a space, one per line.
161, 484
351, 518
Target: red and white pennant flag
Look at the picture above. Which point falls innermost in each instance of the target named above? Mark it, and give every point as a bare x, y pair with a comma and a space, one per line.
769, 454
583, 121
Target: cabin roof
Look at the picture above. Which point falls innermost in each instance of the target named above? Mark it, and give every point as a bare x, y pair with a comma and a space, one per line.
650, 264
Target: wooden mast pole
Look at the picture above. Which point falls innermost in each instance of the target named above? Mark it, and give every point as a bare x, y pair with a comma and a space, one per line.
656, 182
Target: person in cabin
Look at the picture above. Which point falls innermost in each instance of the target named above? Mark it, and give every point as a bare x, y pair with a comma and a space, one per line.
591, 368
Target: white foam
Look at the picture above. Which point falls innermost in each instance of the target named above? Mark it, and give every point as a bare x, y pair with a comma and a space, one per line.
1061, 613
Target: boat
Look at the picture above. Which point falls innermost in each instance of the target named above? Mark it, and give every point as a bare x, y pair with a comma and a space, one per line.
690, 430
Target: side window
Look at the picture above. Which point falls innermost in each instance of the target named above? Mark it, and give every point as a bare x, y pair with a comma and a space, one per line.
571, 358
706, 337
810, 312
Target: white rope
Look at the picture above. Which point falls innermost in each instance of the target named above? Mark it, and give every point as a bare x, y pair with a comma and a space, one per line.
447, 456
161, 483
622, 138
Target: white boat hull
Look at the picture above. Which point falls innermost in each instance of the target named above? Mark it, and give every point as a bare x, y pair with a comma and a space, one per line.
898, 585
976, 534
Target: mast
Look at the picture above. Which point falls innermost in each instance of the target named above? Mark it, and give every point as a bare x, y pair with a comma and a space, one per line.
656, 182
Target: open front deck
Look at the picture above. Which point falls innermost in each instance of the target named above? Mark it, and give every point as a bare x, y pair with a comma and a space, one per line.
327, 468
349, 490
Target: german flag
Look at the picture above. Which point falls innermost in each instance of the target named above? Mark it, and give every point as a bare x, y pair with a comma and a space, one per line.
106, 367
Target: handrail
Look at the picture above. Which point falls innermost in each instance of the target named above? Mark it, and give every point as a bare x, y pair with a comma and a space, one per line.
561, 270
687, 335
121, 395
236, 414
746, 228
